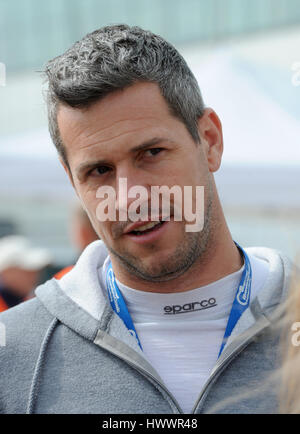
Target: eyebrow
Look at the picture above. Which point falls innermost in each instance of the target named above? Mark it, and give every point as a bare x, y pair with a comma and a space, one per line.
149, 143
83, 167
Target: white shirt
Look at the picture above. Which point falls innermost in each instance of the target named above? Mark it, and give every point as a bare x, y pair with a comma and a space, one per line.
181, 333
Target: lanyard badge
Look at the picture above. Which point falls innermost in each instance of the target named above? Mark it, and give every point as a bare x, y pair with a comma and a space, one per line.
241, 300
117, 302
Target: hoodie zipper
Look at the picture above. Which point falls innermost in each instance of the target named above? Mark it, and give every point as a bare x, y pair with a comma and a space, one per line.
207, 385
200, 401
214, 376
142, 371
147, 374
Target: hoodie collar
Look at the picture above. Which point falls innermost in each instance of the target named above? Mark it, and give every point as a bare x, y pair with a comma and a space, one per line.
80, 299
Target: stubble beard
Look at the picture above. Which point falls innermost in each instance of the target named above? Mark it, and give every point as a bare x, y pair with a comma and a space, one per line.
193, 249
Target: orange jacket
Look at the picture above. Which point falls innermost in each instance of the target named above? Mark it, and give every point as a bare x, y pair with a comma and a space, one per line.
62, 272
3, 305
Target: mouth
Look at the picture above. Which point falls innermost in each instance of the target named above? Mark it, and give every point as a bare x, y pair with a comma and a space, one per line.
146, 231
146, 228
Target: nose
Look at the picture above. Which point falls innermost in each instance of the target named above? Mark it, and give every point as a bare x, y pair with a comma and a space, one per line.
132, 185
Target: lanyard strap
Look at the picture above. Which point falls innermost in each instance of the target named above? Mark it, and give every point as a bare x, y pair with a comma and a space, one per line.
240, 303
241, 300
117, 302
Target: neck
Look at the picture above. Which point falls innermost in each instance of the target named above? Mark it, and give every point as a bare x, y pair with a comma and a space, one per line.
220, 259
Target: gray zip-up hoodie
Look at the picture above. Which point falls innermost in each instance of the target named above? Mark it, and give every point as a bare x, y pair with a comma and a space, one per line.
67, 351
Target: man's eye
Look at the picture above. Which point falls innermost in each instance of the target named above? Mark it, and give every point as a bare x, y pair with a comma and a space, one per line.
101, 170
154, 151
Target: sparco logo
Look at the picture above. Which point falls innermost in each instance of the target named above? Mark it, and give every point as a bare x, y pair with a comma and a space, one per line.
190, 307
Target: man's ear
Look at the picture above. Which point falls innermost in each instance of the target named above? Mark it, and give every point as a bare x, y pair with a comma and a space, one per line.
211, 135
68, 171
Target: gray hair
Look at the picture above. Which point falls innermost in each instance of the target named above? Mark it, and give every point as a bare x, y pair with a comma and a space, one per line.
116, 57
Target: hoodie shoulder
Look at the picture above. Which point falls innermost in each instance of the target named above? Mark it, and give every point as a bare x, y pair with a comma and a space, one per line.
25, 315
281, 272
22, 330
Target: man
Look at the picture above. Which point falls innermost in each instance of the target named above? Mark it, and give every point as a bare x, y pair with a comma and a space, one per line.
153, 318
20, 268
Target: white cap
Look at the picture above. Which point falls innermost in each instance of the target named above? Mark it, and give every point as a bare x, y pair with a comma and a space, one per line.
17, 251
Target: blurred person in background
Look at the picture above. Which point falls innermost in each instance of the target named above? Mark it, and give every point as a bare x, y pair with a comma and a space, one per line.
82, 234
20, 268
171, 321
290, 370
82, 231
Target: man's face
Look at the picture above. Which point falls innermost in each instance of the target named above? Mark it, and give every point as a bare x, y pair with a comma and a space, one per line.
131, 134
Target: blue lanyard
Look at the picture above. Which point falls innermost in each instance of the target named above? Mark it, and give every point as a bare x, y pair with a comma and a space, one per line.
240, 303
117, 302
241, 300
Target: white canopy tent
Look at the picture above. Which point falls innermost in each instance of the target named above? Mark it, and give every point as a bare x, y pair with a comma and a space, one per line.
258, 130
